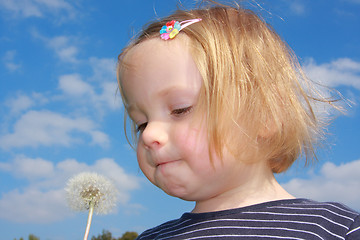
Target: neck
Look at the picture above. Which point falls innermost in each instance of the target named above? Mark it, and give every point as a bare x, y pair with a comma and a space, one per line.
261, 187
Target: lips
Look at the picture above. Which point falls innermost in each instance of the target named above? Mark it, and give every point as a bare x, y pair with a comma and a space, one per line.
159, 164
165, 163
158, 159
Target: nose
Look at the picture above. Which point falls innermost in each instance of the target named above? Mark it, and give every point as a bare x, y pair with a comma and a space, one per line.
154, 135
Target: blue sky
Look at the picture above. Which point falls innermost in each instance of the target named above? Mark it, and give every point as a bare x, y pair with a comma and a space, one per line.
60, 113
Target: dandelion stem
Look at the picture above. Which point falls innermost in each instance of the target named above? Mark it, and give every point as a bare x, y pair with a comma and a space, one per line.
91, 211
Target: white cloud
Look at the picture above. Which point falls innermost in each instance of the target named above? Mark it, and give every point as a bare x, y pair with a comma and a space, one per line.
43, 200
21, 102
67, 54
354, 1
99, 138
297, 7
110, 95
109, 167
339, 183
97, 90
294, 7
72, 84
38, 8
104, 69
29, 168
63, 47
340, 72
36, 128
9, 61
33, 206
21, 8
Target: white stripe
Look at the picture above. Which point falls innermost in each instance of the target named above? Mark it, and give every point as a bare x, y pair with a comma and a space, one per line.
310, 208
343, 208
255, 220
306, 215
354, 230
300, 222
259, 236
238, 227
161, 229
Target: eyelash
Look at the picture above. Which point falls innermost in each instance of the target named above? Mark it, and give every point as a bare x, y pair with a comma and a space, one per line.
181, 111
175, 112
141, 127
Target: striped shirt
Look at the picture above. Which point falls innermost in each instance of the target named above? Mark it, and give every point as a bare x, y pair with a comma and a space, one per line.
283, 219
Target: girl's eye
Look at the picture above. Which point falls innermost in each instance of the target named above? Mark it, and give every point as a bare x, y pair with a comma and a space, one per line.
141, 127
181, 111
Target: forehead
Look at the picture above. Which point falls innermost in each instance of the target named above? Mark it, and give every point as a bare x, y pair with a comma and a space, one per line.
154, 54
159, 64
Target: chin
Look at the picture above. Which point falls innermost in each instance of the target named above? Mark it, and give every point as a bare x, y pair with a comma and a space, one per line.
178, 193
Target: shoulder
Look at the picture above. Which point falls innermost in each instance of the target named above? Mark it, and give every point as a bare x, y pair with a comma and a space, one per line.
354, 230
332, 211
321, 208
332, 216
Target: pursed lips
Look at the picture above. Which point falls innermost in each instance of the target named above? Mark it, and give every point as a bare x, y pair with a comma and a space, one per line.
156, 160
161, 163
164, 162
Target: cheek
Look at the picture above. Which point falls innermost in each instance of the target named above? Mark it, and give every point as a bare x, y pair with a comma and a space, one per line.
143, 164
140, 158
192, 140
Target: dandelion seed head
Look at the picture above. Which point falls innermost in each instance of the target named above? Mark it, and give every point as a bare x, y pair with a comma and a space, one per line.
91, 188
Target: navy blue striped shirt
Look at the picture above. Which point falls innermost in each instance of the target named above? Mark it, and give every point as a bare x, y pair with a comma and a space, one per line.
283, 219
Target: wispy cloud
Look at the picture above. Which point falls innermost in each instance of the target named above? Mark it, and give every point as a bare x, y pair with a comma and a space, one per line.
64, 47
9, 61
73, 85
297, 7
99, 88
103, 69
99, 95
33, 206
46, 128
333, 183
43, 199
340, 72
21, 102
23, 167
91, 98
353, 1
104, 72
38, 8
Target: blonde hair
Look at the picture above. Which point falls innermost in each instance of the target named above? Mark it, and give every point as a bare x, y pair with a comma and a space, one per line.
251, 81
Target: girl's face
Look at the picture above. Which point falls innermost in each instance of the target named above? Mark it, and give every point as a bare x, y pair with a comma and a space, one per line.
161, 87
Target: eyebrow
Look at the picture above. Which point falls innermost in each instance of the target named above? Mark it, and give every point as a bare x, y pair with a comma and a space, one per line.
162, 93
167, 91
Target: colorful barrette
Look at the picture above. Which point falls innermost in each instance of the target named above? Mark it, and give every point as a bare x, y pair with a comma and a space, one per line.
172, 28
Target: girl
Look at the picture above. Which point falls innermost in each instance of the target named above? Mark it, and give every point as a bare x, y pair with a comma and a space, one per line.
219, 104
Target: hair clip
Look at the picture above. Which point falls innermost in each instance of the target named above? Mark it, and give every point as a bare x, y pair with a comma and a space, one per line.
172, 28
